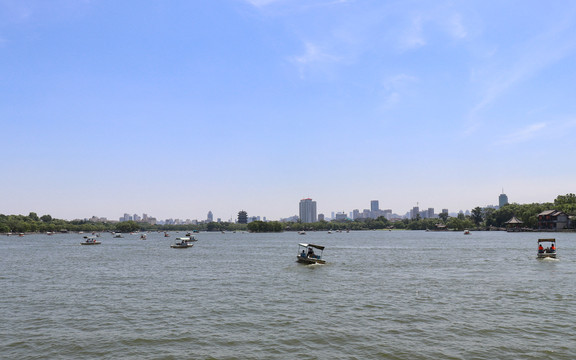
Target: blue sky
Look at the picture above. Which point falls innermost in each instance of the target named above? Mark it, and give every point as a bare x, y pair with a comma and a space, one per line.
174, 108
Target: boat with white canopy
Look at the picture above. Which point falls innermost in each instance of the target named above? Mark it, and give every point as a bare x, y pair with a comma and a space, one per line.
306, 254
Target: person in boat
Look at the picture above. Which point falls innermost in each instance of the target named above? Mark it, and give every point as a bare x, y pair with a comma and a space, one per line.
303, 253
552, 248
310, 253
540, 249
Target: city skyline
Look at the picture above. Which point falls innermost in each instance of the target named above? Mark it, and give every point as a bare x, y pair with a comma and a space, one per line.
177, 108
307, 212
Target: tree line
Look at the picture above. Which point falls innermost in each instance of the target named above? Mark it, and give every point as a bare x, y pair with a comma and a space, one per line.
479, 218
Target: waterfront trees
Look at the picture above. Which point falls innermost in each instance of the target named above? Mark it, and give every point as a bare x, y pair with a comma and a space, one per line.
479, 218
477, 215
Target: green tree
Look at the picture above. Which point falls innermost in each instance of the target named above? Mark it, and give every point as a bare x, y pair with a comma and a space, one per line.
477, 215
443, 216
127, 226
33, 216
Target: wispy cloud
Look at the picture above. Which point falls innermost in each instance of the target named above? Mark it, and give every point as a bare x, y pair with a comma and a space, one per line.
533, 56
413, 36
525, 134
394, 88
314, 54
456, 26
260, 3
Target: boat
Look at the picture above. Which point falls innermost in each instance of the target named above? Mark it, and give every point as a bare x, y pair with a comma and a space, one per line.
549, 251
118, 236
301, 232
183, 242
90, 240
306, 254
466, 232
143, 237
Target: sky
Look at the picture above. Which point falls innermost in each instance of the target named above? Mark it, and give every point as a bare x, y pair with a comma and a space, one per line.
175, 108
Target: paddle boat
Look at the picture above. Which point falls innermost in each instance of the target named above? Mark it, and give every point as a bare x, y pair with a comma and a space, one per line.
306, 254
183, 243
90, 240
549, 251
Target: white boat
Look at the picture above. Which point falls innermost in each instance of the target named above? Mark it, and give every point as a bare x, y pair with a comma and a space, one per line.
466, 232
143, 237
301, 232
306, 254
90, 240
183, 243
549, 251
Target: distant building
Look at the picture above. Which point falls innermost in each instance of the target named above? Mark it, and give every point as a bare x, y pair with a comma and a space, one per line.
308, 211
242, 217
320, 217
374, 205
355, 214
341, 217
387, 213
210, 217
415, 212
552, 220
502, 200
126, 217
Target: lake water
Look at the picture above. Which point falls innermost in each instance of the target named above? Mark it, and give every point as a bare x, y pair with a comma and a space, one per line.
382, 295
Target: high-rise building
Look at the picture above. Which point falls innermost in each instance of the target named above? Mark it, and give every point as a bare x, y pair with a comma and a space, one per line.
415, 213
502, 199
210, 217
308, 211
374, 205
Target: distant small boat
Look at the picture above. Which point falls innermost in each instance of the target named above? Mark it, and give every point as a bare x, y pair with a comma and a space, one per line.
143, 237
301, 232
90, 240
183, 243
118, 236
466, 232
548, 252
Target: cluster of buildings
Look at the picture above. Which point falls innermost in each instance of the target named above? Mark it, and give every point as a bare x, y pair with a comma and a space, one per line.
308, 213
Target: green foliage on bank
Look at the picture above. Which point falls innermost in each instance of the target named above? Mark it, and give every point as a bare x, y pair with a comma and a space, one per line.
261, 226
480, 218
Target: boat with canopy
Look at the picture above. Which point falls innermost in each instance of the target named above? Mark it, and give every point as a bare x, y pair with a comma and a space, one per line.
306, 254
549, 251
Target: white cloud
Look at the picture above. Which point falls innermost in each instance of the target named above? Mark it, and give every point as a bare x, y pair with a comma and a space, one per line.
314, 54
395, 88
531, 57
525, 134
413, 37
456, 27
260, 3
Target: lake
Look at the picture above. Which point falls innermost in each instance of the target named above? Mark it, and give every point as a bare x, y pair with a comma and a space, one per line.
382, 295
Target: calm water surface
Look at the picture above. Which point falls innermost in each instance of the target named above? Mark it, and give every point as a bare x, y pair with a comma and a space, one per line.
382, 295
